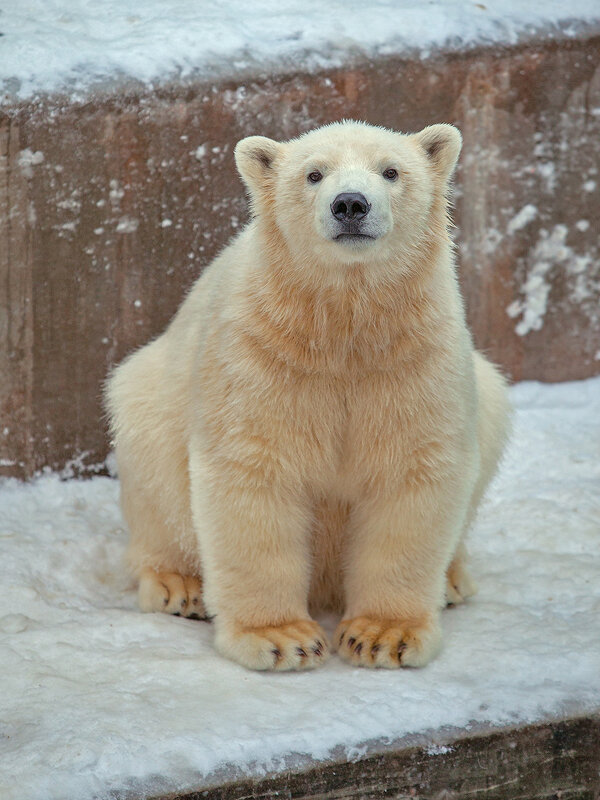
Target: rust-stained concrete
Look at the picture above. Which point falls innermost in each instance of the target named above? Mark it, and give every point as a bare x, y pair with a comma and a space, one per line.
110, 208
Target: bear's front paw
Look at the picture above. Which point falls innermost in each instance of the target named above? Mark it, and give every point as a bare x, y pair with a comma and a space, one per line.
295, 645
390, 643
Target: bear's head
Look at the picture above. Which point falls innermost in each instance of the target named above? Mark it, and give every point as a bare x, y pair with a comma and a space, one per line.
351, 192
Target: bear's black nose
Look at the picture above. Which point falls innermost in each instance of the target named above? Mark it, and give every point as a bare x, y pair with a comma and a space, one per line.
350, 206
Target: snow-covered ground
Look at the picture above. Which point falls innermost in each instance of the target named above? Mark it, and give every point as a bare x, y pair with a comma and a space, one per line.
52, 45
96, 696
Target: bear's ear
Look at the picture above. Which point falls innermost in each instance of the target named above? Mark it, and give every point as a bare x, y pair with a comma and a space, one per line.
255, 157
442, 144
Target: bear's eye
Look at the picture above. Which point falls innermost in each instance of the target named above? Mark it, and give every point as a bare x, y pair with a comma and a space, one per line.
390, 174
314, 177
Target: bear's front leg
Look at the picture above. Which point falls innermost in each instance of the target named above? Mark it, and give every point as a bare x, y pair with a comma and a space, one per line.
399, 549
253, 533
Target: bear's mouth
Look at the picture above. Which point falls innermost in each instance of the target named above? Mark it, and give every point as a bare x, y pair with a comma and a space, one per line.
353, 238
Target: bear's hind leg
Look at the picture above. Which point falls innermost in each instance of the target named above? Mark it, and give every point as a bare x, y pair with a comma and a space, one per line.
493, 427
163, 551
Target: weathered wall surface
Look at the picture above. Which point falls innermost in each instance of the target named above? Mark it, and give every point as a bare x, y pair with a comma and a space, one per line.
535, 762
110, 208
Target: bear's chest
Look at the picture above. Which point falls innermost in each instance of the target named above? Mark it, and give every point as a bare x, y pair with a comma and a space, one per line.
389, 424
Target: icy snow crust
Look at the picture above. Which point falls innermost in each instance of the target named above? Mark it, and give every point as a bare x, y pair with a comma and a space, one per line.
98, 697
51, 45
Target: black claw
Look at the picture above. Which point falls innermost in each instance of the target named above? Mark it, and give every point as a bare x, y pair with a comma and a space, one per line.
351, 641
375, 649
277, 653
318, 647
401, 648
358, 649
301, 652
342, 638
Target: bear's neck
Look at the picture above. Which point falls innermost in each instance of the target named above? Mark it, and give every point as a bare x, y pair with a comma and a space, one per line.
355, 322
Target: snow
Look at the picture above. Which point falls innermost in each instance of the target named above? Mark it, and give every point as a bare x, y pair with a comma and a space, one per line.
127, 225
28, 159
50, 45
526, 215
97, 697
550, 256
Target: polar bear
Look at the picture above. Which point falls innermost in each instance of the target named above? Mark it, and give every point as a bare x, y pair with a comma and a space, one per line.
314, 430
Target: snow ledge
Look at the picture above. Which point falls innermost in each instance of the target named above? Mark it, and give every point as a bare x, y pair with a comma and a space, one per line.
73, 46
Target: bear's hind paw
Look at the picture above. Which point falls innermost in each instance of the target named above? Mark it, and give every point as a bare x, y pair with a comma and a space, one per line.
459, 584
171, 593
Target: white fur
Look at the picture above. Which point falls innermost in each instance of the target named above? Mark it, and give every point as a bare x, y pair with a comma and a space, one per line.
314, 429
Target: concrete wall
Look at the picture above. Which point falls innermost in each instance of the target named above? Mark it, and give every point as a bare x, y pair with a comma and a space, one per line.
559, 759
110, 208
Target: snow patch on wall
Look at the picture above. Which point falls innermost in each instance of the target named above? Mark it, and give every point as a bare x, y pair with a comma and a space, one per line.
526, 215
127, 225
438, 750
31, 214
547, 170
550, 253
115, 193
549, 250
28, 160
491, 240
